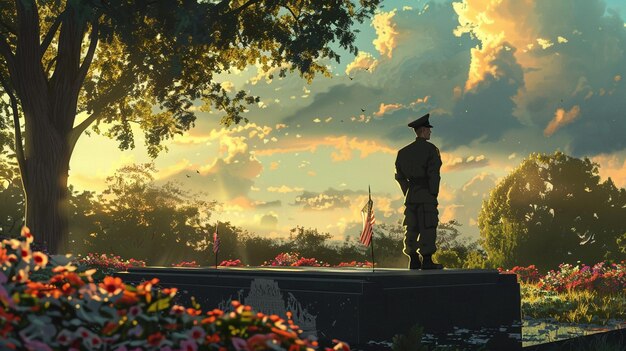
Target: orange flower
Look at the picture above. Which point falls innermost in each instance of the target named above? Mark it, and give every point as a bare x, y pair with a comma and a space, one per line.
169, 291
284, 333
111, 285
3, 255
128, 298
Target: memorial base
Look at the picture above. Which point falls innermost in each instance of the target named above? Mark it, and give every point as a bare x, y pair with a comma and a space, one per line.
467, 308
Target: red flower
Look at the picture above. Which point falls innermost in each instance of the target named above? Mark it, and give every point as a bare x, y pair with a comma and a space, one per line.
155, 339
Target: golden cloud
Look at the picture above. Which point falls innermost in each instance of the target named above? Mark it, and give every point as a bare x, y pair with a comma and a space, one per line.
497, 25
386, 39
363, 61
383, 109
561, 118
612, 166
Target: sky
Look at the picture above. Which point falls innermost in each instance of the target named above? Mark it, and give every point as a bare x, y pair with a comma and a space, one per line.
501, 79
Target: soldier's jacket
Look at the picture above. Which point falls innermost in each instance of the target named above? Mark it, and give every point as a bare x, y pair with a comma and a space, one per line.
417, 172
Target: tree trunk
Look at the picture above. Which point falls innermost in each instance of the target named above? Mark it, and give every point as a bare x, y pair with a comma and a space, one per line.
49, 108
47, 195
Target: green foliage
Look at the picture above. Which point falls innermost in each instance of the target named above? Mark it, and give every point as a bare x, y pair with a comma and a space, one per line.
456, 252
552, 209
169, 54
412, 341
156, 223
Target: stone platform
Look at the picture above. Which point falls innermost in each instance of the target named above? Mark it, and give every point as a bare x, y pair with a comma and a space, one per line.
468, 308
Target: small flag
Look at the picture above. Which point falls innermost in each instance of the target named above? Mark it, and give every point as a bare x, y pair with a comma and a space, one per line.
367, 213
216, 242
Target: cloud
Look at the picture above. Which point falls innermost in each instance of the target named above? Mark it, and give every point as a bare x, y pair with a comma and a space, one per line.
344, 146
283, 189
569, 60
386, 33
269, 221
322, 201
363, 61
456, 163
387, 108
267, 204
467, 201
612, 165
561, 118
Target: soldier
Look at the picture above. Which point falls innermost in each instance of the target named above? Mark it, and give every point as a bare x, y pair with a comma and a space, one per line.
417, 172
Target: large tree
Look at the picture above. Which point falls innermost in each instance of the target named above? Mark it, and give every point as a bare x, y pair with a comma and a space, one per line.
113, 61
553, 209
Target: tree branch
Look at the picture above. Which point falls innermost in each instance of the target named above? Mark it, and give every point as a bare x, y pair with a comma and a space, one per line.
296, 18
19, 147
50, 35
93, 37
5, 51
242, 7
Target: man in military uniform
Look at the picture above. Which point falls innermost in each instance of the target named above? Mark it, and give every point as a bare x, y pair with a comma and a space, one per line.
417, 172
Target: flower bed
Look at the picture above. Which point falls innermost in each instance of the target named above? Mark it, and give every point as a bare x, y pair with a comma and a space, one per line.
71, 311
574, 294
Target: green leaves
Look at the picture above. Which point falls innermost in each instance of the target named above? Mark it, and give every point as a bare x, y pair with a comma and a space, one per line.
552, 209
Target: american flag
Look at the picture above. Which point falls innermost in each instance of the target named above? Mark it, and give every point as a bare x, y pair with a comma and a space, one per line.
367, 213
216, 242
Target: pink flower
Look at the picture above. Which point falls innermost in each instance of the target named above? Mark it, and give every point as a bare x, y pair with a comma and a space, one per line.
188, 345
197, 333
240, 344
36, 345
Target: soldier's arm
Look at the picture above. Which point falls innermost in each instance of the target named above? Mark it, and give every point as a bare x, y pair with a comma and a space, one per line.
401, 179
432, 170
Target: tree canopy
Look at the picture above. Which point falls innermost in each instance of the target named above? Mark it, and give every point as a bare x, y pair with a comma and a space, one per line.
144, 63
553, 209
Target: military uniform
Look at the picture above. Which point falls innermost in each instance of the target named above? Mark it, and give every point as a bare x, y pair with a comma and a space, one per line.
417, 171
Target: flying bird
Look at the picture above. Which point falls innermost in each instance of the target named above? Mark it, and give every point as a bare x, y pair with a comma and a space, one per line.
188, 176
362, 110
197, 171
350, 78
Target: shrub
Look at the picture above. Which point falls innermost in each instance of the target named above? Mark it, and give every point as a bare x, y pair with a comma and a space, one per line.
602, 278
528, 274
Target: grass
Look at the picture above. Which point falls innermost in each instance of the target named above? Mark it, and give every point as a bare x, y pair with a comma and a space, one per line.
588, 307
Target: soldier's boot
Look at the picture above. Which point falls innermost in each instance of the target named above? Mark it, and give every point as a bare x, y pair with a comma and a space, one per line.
427, 263
414, 261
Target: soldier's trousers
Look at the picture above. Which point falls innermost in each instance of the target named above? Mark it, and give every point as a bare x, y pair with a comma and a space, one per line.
421, 228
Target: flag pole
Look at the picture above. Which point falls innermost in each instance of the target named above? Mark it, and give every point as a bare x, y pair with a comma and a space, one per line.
371, 208
214, 240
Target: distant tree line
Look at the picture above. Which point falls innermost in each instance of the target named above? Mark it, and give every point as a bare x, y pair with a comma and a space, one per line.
552, 209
